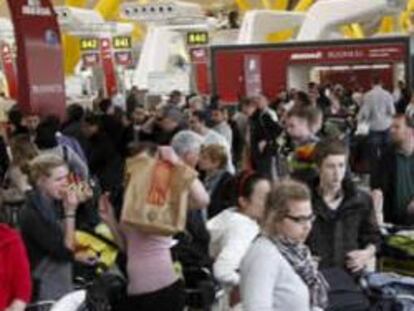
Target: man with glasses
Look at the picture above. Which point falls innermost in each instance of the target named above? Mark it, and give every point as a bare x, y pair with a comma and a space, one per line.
345, 232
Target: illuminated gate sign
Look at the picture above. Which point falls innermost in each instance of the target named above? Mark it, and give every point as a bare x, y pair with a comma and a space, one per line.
121, 42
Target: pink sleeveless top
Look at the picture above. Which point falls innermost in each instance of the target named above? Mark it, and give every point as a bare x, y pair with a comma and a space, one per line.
150, 266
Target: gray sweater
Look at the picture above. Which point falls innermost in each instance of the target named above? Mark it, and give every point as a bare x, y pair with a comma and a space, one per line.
268, 281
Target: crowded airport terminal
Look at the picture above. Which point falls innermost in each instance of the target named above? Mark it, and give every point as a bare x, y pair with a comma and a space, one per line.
206, 155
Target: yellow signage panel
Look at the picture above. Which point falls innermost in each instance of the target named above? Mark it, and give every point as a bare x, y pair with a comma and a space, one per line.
89, 44
122, 42
197, 38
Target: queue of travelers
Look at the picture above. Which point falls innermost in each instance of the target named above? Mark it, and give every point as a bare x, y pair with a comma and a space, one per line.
274, 196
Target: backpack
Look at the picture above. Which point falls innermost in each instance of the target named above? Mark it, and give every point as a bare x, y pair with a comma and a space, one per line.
106, 291
389, 291
344, 293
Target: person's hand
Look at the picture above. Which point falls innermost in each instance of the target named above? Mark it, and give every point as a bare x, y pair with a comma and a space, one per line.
167, 153
377, 198
378, 202
86, 258
17, 305
106, 210
70, 200
262, 145
358, 259
410, 208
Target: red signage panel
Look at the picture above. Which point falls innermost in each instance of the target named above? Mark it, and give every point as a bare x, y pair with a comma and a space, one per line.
9, 68
108, 66
199, 57
39, 57
230, 77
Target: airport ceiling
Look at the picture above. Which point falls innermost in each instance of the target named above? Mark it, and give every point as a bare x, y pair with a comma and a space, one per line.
208, 4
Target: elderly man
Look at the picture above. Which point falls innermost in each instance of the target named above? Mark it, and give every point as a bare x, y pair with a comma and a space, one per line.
187, 145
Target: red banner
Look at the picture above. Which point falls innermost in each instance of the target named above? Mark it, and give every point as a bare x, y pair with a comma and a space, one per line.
229, 76
40, 72
200, 58
9, 69
108, 67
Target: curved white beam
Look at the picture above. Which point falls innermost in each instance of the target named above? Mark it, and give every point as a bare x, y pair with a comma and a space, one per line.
257, 24
86, 22
326, 15
70, 16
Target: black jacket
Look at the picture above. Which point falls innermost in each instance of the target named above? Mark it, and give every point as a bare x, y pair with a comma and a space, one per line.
263, 128
384, 177
105, 162
42, 232
351, 227
220, 198
4, 159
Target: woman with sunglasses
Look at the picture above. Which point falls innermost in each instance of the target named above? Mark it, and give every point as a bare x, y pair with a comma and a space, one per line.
278, 272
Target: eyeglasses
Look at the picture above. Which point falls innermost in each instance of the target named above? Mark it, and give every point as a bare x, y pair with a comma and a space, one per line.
301, 219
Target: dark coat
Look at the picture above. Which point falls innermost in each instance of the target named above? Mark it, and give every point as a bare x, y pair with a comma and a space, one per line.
105, 162
4, 159
351, 227
263, 128
220, 198
41, 231
384, 177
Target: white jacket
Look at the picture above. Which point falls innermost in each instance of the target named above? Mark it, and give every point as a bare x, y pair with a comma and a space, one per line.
231, 234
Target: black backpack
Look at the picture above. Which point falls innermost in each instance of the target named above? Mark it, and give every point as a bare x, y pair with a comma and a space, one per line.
344, 293
105, 292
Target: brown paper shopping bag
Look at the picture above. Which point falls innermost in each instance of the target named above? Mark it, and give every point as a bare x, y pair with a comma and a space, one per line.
156, 196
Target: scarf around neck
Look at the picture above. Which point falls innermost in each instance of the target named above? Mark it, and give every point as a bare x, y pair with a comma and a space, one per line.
300, 258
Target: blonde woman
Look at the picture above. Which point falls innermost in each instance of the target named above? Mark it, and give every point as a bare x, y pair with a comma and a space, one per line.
278, 272
48, 227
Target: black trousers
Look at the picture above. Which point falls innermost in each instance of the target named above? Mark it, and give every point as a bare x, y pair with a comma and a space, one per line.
171, 298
